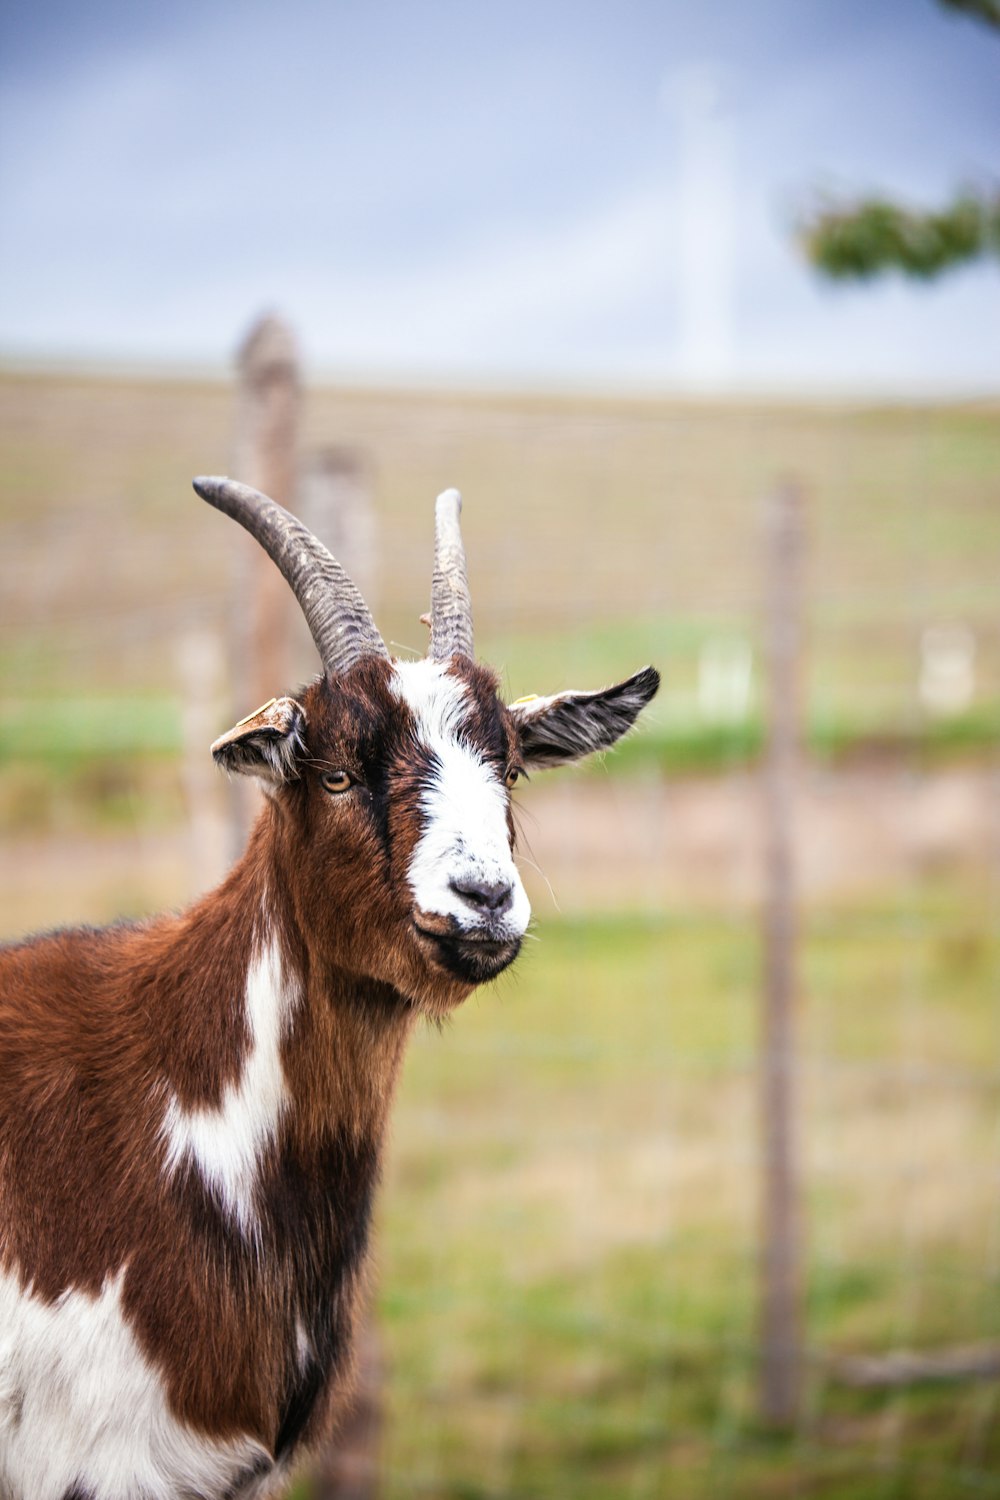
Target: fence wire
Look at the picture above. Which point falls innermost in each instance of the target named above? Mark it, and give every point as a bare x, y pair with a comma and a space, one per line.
569, 1235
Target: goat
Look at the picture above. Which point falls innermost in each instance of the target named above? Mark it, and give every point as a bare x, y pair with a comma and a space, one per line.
192, 1108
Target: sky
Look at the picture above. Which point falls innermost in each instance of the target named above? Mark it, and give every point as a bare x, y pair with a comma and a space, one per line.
595, 193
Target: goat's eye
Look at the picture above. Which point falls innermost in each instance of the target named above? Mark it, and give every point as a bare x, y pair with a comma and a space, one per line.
512, 776
336, 781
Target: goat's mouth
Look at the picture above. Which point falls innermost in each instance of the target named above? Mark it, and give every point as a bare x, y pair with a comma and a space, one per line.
473, 957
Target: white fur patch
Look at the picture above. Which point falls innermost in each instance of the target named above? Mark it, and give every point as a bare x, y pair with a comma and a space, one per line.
81, 1405
226, 1141
465, 836
303, 1344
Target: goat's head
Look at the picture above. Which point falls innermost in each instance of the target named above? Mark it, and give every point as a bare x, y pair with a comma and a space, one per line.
391, 779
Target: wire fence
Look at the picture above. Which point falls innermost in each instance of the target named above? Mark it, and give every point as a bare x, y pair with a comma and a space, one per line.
572, 1222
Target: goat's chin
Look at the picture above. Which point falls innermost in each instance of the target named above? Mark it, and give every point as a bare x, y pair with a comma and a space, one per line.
460, 960
436, 994
437, 964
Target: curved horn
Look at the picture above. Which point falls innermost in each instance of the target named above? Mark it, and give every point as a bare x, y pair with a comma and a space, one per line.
451, 607
335, 612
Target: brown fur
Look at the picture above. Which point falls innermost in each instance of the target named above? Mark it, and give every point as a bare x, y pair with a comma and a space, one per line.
96, 1027
100, 1029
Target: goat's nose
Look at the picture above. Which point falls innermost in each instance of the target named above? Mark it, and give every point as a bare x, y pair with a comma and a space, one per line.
495, 896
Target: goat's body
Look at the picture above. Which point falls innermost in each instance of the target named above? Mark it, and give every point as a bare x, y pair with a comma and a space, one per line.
84, 1412
189, 1141
192, 1110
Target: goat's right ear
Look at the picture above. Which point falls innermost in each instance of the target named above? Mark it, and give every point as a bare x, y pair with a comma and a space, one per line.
558, 730
268, 743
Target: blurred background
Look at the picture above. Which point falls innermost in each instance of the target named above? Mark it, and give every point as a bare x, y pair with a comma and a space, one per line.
699, 307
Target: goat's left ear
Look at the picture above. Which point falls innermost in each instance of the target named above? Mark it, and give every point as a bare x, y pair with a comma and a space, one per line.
555, 731
268, 743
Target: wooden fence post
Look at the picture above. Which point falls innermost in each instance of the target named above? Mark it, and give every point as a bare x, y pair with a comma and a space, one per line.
781, 1361
335, 502
331, 495
201, 674
349, 1466
265, 455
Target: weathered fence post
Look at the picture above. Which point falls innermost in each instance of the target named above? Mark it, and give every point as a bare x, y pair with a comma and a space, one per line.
265, 455
348, 1469
331, 494
334, 500
781, 1362
201, 675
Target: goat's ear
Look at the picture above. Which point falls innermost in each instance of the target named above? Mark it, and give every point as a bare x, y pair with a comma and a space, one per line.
268, 743
555, 731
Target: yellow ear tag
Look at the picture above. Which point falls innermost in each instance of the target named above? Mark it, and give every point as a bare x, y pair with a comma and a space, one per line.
262, 710
528, 698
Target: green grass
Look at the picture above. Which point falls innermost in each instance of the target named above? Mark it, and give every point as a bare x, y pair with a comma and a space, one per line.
90, 762
568, 1226
67, 733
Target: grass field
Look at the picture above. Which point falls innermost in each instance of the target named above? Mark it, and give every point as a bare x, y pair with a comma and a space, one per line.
568, 1224
568, 1227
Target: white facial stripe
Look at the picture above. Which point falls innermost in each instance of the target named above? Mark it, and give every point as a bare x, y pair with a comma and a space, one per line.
465, 837
81, 1407
227, 1141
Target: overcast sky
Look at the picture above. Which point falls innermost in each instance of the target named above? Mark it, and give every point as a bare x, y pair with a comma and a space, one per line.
544, 191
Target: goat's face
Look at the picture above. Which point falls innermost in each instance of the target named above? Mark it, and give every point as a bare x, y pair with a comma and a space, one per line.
391, 780
391, 791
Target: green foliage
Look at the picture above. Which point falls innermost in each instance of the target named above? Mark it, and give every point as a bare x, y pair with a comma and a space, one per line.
859, 240
983, 10
863, 239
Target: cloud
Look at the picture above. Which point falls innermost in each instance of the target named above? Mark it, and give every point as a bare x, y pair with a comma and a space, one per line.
426, 196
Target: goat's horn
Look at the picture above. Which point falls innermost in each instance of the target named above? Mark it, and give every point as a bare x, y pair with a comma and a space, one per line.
451, 607
335, 612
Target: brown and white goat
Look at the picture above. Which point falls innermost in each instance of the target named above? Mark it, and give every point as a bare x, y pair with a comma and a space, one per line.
192, 1108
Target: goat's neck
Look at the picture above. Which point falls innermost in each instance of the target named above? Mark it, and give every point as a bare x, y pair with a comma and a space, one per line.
340, 1037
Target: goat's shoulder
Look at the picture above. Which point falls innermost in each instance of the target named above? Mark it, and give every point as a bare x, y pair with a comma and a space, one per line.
63, 992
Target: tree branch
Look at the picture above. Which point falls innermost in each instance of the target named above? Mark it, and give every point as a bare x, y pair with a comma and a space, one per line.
983, 10
863, 239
